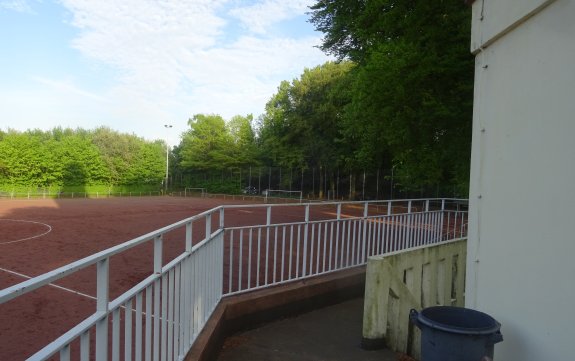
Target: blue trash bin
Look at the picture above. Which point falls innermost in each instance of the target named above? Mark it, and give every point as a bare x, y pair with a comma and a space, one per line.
456, 334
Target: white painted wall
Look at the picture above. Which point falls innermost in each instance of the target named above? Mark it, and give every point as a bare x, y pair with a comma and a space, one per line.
521, 247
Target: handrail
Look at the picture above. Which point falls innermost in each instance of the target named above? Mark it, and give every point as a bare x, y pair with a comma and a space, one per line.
173, 302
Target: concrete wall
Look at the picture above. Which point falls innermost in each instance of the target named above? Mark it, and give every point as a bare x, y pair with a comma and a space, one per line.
521, 250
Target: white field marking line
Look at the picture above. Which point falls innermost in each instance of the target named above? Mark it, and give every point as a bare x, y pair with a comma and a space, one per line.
67, 289
51, 284
27, 238
244, 211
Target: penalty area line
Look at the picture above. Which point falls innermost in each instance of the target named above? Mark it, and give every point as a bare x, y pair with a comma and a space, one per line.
50, 284
69, 290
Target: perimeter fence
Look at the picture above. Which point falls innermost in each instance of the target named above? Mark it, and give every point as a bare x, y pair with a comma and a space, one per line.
237, 249
59, 195
325, 183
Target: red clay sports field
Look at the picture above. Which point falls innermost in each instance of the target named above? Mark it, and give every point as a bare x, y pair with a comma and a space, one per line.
37, 236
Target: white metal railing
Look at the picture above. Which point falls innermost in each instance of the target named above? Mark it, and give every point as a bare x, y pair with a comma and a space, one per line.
160, 317
260, 256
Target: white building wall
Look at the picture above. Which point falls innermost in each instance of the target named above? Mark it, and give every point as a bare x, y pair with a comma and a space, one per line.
521, 250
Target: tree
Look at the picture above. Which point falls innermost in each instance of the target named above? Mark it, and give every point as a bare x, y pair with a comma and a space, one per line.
413, 84
77, 157
301, 126
244, 139
207, 144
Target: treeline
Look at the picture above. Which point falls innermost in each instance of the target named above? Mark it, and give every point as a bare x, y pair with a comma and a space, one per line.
76, 157
397, 102
393, 112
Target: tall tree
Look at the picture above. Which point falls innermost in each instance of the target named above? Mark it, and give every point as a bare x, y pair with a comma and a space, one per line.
413, 85
244, 139
301, 125
207, 144
77, 157
28, 159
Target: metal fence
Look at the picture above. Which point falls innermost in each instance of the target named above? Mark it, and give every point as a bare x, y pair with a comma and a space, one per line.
326, 183
259, 256
59, 195
161, 316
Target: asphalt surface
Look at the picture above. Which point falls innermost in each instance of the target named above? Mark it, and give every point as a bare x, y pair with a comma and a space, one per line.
332, 333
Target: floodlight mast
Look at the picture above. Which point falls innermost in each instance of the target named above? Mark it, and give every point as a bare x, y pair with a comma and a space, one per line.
167, 126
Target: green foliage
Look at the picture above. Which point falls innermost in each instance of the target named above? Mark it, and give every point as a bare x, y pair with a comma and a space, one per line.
412, 89
400, 99
211, 143
244, 139
219, 187
302, 120
207, 145
66, 158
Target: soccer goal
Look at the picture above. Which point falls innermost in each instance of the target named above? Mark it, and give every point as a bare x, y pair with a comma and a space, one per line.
285, 194
195, 192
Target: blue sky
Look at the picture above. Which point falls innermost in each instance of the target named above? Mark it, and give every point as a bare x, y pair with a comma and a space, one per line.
135, 65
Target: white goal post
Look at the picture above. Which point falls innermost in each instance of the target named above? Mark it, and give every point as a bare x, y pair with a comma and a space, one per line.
281, 193
190, 192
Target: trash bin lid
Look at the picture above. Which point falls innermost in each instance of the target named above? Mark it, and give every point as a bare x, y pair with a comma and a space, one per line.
458, 320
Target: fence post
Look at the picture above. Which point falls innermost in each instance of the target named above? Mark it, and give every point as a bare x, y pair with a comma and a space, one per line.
103, 272
269, 215
208, 225
305, 235
158, 254
442, 219
222, 211
364, 242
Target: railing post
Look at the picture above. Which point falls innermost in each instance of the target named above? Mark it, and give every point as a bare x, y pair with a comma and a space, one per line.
158, 254
158, 240
208, 225
222, 214
409, 206
427, 205
442, 219
189, 237
305, 235
269, 215
103, 296
364, 242
388, 208
337, 236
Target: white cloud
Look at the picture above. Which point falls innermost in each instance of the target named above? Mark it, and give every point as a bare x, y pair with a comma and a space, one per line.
144, 39
66, 87
249, 71
16, 5
172, 63
259, 17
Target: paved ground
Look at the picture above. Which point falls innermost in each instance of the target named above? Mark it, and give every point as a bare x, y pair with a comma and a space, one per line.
332, 333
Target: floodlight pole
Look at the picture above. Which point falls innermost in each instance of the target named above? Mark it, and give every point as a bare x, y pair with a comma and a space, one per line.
167, 126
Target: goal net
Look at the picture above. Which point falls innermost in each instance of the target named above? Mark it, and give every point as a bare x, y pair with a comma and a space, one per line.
195, 192
283, 194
